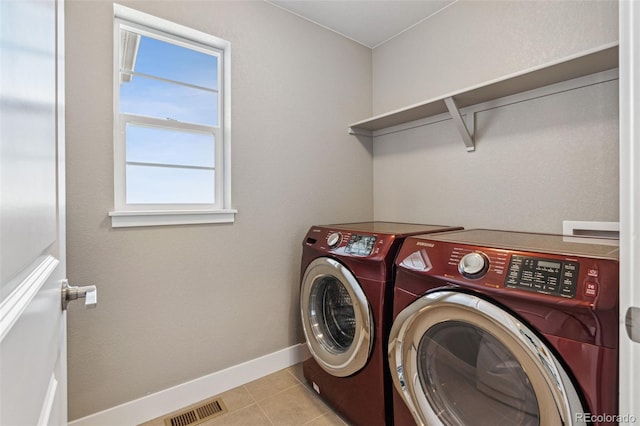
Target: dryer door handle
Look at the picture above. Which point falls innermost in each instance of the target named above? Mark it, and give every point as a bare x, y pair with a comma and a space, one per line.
632, 323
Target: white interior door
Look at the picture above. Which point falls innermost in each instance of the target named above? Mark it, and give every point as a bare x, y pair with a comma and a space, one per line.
629, 211
32, 214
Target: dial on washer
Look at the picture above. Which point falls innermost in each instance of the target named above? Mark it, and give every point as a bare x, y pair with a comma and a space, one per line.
333, 239
473, 265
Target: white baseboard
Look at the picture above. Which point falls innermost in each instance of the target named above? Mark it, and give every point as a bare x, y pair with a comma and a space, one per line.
168, 400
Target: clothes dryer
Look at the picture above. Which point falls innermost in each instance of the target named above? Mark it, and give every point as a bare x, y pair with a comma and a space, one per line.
345, 304
497, 327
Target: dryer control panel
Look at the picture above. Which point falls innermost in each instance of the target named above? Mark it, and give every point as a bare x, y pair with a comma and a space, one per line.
551, 267
549, 276
553, 275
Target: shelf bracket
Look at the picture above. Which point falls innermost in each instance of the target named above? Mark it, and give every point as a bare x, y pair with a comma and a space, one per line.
467, 137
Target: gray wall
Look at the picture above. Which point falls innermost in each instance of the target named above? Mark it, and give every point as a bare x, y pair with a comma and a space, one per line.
536, 163
177, 303
473, 41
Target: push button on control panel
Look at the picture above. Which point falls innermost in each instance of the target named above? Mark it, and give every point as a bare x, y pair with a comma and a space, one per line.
590, 288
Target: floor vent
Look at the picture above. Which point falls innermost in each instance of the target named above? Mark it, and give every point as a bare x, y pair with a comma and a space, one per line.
195, 415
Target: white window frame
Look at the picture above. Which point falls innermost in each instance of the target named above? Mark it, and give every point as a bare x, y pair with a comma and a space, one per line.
128, 215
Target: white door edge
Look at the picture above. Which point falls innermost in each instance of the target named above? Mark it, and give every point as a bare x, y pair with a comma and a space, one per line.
49, 399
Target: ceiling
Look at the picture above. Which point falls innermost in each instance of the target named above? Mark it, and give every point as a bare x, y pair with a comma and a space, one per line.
368, 22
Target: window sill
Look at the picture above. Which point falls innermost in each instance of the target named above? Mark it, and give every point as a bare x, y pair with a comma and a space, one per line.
124, 219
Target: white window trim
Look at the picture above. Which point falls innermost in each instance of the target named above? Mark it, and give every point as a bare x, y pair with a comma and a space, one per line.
153, 215
123, 219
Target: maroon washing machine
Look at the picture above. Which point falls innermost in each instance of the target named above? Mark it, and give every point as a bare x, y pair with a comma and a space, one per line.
497, 327
347, 277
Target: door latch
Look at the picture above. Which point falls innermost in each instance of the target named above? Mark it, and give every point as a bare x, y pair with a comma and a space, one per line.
632, 323
89, 293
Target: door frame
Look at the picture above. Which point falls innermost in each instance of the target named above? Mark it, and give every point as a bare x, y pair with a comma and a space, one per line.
61, 138
629, 391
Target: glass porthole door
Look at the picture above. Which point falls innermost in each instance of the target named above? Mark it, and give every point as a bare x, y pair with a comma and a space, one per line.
336, 317
457, 359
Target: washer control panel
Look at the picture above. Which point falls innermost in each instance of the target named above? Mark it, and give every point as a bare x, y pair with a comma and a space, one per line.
345, 242
353, 244
360, 245
541, 275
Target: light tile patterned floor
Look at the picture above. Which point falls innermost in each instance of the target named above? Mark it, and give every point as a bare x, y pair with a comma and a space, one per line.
280, 399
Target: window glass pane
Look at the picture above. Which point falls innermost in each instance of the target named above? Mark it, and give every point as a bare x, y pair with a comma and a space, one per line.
170, 61
160, 99
168, 185
167, 146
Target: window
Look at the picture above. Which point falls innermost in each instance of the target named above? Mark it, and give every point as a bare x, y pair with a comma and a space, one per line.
171, 123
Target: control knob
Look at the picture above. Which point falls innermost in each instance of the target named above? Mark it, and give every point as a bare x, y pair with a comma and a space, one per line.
473, 265
333, 239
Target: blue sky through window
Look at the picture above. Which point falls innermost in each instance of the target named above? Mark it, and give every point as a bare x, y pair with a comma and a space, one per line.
165, 146
177, 63
162, 185
155, 98
171, 96
162, 99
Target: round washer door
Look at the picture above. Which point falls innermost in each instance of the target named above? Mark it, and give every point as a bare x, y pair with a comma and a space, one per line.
336, 317
457, 359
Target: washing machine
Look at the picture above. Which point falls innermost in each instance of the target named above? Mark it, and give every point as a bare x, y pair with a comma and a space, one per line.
497, 327
345, 304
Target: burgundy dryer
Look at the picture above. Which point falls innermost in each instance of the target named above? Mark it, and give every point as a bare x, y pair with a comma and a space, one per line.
497, 327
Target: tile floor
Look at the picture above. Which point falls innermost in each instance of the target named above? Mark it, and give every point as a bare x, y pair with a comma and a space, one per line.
279, 399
